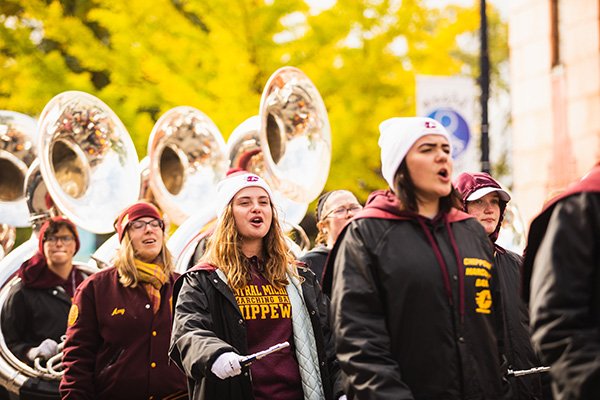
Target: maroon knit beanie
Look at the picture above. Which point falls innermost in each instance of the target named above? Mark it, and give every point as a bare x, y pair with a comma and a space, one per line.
136, 211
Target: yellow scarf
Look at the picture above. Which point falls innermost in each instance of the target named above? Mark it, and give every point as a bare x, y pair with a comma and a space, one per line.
153, 278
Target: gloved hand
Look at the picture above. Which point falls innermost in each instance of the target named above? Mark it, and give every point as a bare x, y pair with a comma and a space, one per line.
45, 350
227, 365
343, 397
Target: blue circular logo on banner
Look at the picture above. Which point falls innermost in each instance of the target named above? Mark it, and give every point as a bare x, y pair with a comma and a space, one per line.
456, 125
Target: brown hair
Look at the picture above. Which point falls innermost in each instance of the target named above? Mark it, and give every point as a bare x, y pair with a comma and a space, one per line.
124, 261
224, 250
405, 190
54, 226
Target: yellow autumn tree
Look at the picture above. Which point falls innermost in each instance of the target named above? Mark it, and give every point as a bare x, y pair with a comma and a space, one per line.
143, 57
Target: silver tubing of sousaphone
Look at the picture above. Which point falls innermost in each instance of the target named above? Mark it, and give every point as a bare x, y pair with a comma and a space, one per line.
8, 236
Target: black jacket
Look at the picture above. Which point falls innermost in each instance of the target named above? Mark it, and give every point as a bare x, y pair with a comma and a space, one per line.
207, 323
316, 259
403, 330
29, 316
565, 295
517, 343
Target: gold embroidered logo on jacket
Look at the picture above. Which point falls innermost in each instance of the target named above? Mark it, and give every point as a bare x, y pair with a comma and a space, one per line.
118, 311
480, 269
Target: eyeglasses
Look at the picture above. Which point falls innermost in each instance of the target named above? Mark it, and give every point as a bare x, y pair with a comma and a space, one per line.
343, 211
139, 224
64, 239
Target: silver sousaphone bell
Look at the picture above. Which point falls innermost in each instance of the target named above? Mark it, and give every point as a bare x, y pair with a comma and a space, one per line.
87, 159
294, 135
288, 144
187, 160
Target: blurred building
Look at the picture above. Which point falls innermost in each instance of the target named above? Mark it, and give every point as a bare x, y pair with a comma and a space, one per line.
555, 90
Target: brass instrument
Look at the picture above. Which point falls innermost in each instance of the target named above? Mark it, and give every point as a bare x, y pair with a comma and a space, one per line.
87, 160
187, 160
8, 235
86, 170
295, 136
17, 152
288, 144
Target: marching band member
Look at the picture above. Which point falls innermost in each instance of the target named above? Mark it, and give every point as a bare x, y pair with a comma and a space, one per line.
247, 295
414, 316
34, 316
334, 209
485, 199
120, 322
563, 261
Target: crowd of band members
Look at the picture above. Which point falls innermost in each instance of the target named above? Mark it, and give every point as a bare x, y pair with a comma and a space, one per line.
408, 297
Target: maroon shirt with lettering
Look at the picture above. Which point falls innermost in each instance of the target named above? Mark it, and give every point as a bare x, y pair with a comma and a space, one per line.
268, 315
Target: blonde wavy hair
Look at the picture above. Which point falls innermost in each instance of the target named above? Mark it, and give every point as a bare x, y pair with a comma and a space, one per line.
224, 250
124, 261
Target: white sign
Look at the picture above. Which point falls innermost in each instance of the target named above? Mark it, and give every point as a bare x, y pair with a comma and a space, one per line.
451, 100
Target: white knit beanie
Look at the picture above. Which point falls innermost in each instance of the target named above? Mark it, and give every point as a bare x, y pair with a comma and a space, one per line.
233, 183
397, 135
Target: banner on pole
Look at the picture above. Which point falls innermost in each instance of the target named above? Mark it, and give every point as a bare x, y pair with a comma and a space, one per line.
450, 100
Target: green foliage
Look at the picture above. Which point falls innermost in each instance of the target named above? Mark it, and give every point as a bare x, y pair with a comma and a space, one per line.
144, 57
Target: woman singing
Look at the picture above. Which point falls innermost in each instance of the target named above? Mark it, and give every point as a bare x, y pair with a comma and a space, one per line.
120, 321
246, 296
413, 305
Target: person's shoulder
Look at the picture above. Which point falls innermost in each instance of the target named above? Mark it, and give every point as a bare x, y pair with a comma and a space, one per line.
471, 224
196, 275
317, 252
305, 272
109, 274
508, 255
16, 290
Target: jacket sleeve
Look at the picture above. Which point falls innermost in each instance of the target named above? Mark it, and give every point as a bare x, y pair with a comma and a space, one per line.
565, 297
333, 367
194, 345
15, 324
81, 347
363, 344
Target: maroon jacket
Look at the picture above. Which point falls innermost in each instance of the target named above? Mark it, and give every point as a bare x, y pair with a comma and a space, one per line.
116, 348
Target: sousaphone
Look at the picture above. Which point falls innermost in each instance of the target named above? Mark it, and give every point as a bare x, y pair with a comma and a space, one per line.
187, 159
87, 171
288, 144
17, 152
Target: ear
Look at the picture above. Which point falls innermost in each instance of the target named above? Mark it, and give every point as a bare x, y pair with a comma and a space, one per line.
322, 225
